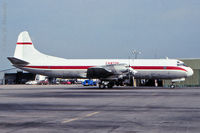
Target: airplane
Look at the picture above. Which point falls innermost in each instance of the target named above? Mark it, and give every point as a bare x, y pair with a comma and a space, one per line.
110, 72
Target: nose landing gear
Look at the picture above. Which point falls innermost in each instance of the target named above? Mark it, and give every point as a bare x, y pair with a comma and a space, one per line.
172, 85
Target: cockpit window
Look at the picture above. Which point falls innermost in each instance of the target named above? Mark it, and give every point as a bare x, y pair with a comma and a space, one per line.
181, 64
185, 65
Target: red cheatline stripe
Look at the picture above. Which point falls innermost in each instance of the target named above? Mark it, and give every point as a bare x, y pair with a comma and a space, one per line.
60, 67
147, 67
158, 68
134, 67
24, 43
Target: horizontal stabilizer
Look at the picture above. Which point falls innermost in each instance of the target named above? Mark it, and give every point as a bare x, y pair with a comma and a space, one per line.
17, 62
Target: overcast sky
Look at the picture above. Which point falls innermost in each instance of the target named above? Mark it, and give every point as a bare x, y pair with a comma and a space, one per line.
102, 28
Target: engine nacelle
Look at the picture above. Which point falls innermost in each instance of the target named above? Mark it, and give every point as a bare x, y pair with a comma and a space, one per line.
112, 70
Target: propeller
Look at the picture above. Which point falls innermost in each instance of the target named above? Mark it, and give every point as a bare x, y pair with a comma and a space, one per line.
131, 71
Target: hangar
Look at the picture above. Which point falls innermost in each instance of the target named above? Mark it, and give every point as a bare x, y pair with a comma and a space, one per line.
15, 76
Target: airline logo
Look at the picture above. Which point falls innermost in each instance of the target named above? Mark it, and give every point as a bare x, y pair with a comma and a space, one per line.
110, 63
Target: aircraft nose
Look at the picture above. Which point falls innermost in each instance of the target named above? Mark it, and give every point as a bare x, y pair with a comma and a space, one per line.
190, 72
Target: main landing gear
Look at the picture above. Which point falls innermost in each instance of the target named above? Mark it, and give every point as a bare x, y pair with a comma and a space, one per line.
104, 84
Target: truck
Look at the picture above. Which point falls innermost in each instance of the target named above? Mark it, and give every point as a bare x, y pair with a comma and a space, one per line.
39, 79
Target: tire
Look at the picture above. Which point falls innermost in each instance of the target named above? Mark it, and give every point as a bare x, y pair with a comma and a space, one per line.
172, 86
101, 86
110, 86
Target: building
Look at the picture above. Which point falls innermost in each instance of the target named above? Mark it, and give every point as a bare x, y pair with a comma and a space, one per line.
2, 74
15, 76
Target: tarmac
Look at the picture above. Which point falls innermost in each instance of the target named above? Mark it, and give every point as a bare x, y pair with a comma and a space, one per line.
78, 109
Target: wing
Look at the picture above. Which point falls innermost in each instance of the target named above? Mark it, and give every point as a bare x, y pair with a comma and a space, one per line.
98, 72
113, 70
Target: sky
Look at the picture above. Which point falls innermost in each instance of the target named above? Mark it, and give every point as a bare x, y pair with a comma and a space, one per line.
102, 28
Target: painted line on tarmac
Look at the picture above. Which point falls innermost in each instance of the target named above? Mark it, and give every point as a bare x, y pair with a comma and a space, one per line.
91, 114
70, 120
80, 118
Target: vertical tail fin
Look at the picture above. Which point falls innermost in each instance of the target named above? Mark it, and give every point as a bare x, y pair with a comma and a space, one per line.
24, 49
26, 53
24, 46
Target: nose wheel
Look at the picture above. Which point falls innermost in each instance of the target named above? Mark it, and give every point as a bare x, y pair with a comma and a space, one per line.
172, 85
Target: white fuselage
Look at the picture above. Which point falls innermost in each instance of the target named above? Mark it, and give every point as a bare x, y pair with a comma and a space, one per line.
77, 68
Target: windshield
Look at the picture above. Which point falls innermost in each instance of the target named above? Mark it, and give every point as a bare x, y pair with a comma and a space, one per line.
181, 64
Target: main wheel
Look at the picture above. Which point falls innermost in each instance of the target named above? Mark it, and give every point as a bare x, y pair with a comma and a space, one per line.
102, 86
110, 86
